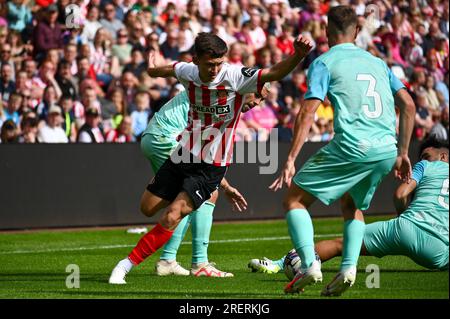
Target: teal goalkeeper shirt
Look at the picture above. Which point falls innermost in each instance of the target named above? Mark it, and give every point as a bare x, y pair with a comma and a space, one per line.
361, 89
171, 119
429, 207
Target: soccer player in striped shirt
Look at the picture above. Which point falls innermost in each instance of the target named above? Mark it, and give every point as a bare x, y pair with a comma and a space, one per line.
195, 169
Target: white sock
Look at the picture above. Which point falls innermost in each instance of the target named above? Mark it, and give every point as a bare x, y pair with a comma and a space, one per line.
127, 264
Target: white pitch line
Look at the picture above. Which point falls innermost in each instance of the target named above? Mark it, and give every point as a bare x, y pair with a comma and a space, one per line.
222, 241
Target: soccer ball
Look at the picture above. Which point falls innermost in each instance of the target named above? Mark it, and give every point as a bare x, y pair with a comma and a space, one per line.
292, 264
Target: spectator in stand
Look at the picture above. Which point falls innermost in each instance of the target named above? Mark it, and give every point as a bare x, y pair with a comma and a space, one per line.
110, 22
30, 130
257, 35
440, 127
123, 133
52, 131
91, 24
286, 39
423, 121
68, 125
11, 111
65, 80
48, 33
142, 114
262, 120
19, 15
169, 48
122, 49
9, 133
90, 132
137, 64
6, 58
7, 85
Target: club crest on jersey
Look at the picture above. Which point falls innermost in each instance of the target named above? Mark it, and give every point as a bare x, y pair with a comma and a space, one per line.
222, 94
248, 72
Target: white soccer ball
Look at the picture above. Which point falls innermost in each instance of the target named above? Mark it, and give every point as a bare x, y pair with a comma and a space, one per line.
292, 264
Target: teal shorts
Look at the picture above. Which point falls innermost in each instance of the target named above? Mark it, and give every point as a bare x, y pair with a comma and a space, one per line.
328, 177
157, 149
400, 236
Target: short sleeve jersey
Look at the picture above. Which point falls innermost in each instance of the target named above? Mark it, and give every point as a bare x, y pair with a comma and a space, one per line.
361, 89
214, 109
429, 207
171, 119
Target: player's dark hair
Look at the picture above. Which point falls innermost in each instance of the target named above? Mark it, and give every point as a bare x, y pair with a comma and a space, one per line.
434, 143
342, 17
209, 44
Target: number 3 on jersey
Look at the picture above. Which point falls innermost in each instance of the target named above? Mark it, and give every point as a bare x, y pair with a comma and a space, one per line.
376, 113
444, 194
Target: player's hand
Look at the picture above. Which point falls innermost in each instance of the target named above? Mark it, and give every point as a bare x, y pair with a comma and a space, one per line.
237, 201
285, 177
402, 168
302, 46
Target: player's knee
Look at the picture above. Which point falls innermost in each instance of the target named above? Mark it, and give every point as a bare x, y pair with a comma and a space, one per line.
290, 204
172, 217
147, 210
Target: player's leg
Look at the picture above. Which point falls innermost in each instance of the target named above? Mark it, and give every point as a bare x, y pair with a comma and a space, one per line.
167, 264
201, 230
368, 176
155, 238
301, 232
400, 236
354, 228
157, 149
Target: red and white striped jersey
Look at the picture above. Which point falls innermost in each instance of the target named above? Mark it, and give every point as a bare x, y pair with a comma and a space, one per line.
214, 109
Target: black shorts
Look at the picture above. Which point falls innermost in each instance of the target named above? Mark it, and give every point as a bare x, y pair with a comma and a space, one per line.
198, 180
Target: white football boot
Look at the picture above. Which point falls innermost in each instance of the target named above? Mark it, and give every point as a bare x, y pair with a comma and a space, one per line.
340, 283
120, 272
167, 268
304, 278
264, 265
209, 270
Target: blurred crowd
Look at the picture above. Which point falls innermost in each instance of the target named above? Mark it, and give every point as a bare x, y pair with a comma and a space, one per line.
75, 70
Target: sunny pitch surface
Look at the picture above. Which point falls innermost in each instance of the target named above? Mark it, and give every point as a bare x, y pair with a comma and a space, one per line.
33, 265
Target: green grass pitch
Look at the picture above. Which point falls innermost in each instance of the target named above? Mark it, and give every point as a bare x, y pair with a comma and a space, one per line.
33, 265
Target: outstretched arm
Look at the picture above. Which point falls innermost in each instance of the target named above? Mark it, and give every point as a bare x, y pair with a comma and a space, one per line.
407, 114
303, 122
158, 71
283, 68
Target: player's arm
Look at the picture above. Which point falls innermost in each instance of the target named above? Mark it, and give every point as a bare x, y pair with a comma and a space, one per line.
406, 188
236, 199
283, 68
407, 115
303, 123
401, 196
158, 71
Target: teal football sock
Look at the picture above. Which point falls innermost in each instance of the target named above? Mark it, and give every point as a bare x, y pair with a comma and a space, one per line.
201, 229
353, 238
302, 235
170, 249
280, 262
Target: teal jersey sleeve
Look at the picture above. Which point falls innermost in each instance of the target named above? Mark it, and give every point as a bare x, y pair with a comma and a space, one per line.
395, 83
418, 171
318, 81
